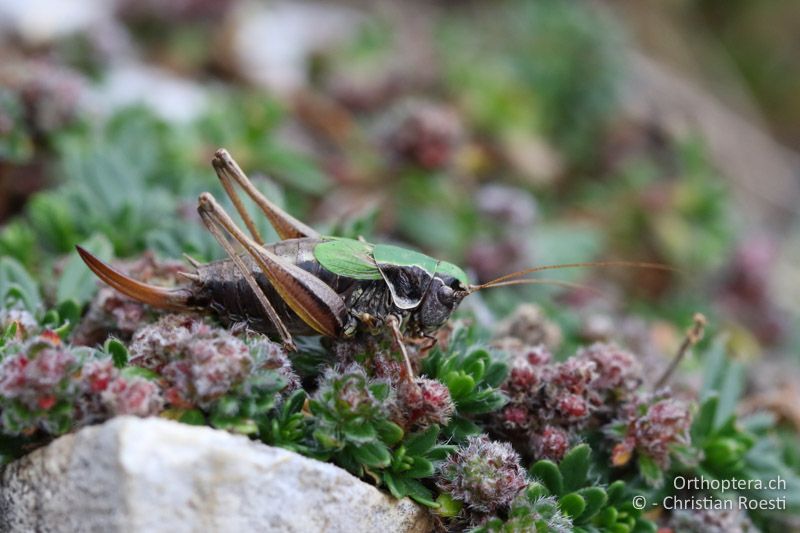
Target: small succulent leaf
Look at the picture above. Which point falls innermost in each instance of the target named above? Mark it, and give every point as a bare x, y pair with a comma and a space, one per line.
487, 401
14, 277
441, 452
390, 433
420, 493
192, 417
572, 504
574, 467
615, 491
549, 474
536, 490
139, 372
460, 385
397, 487
420, 468
644, 526
448, 507
374, 454
607, 517
69, 311
78, 282
380, 391
294, 403
650, 471
703, 424
474, 364
595, 499
117, 350
359, 432
419, 443
495, 374
460, 428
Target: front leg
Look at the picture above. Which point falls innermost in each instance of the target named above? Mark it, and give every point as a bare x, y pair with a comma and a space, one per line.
394, 326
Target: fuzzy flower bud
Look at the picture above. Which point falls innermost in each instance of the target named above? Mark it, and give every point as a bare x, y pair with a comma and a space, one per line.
712, 521
486, 475
616, 369
552, 443
107, 393
38, 373
653, 433
35, 381
200, 363
423, 403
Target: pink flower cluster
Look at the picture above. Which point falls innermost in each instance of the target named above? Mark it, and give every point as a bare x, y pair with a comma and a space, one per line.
550, 402
199, 362
38, 375
46, 385
106, 393
654, 426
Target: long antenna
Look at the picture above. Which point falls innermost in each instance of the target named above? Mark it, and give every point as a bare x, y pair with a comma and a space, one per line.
630, 264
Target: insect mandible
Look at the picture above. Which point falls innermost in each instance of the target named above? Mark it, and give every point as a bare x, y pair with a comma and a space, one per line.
307, 283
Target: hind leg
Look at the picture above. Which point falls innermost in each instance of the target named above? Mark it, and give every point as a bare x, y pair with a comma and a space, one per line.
285, 224
310, 298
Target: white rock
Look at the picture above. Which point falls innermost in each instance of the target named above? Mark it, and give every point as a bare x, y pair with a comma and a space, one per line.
271, 41
155, 475
171, 97
39, 22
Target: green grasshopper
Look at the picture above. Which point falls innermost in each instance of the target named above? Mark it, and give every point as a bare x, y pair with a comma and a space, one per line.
307, 283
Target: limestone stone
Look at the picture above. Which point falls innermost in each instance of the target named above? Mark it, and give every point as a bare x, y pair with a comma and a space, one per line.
152, 475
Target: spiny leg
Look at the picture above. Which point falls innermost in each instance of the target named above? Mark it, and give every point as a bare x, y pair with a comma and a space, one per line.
394, 326
285, 224
211, 216
310, 298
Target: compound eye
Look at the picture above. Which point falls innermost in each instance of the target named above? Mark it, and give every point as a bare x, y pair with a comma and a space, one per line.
445, 294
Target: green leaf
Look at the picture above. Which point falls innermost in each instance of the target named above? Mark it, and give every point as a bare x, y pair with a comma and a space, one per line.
495, 374
441, 452
703, 424
420, 493
380, 390
595, 499
389, 432
419, 443
448, 507
650, 471
460, 385
77, 281
548, 473
536, 490
117, 351
607, 517
615, 491
475, 363
69, 312
397, 486
374, 454
572, 504
460, 428
139, 372
360, 432
295, 402
574, 467
420, 468
13, 275
193, 417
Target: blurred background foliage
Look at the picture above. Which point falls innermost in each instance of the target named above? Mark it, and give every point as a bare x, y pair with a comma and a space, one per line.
497, 135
